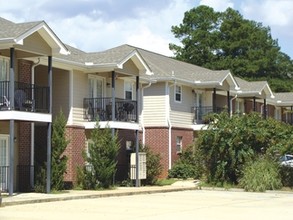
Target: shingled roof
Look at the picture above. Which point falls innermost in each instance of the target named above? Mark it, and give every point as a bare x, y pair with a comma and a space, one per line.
167, 68
258, 89
14, 33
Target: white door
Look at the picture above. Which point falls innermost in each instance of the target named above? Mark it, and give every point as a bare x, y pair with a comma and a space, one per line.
4, 161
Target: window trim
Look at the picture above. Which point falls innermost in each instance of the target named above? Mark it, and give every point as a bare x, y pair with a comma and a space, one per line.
175, 93
179, 145
132, 90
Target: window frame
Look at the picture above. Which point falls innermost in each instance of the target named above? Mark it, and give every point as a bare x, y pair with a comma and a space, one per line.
178, 92
179, 145
130, 83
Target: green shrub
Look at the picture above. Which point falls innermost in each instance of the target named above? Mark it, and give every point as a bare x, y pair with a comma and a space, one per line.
40, 179
153, 166
286, 173
261, 175
189, 165
182, 171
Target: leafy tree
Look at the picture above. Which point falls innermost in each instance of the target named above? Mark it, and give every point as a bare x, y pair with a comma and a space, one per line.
231, 142
102, 157
153, 165
189, 164
225, 40
59, 144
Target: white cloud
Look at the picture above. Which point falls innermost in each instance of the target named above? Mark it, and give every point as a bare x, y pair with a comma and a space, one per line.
95, 25
275, 14
272, 12
218, 5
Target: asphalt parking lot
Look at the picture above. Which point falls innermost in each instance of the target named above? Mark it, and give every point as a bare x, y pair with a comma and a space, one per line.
191, 204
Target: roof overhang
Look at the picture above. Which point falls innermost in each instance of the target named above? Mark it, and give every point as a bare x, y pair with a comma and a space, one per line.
138, 61
45, 32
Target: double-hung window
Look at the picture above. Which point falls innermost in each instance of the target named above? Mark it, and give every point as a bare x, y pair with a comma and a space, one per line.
179, 144
178, 93
128, 90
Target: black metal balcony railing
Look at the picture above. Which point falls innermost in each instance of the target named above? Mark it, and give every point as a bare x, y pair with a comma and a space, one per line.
4, 172
101, 109
27, 97
201, 111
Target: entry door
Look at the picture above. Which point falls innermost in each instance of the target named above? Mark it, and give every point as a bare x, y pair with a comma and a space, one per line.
4, 161
96, 91
198, 105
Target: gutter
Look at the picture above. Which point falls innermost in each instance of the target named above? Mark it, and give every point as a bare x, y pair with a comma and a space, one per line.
142, 122
231, 106
33, 128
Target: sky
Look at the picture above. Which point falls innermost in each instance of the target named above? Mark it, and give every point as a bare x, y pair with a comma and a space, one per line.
96, 25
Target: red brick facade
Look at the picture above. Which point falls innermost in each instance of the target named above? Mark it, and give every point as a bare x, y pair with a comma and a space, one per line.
157, 138
24, 143
25, 71
76, 136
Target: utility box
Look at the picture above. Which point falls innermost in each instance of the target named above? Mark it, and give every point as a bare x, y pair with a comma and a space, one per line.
142, 166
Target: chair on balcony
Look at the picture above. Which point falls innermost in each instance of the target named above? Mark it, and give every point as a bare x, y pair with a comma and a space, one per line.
21, 102
127, 108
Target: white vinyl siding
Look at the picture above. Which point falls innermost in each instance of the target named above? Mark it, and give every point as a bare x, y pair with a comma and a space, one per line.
154, 105
80, 91
181, 114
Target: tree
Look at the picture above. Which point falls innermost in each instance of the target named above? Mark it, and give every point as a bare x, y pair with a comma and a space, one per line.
225, 40
231, 142
59, 159
102, 158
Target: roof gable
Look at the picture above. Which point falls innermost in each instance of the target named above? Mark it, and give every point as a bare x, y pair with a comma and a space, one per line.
15, 33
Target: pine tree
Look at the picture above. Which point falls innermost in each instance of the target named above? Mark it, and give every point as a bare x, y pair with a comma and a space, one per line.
59, 144
103, 152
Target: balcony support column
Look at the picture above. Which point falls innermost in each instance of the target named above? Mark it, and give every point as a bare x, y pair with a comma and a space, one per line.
265, 108
228, 102
11, 124
214, 100
254, 104
113, 100
137, 182
49, 131
291, 114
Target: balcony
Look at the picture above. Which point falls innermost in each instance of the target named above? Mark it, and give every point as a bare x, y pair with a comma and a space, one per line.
27, 97
201, 111
101, 109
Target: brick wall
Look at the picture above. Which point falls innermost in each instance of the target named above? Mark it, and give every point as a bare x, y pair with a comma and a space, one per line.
24, 71
24, 143
76, 136
157, 140
187, 139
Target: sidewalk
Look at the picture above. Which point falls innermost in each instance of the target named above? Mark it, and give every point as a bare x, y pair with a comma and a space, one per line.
29, 198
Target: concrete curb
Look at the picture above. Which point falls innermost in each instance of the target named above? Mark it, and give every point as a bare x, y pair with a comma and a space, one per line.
98, 194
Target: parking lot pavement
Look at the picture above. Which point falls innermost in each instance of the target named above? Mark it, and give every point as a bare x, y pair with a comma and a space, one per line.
190, 204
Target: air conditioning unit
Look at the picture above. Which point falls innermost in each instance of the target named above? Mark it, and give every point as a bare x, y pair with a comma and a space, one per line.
142, 166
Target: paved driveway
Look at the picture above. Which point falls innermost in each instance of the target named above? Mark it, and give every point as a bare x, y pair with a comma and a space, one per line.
196, 204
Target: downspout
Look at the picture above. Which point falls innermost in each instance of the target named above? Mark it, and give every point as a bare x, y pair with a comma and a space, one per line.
142, 111
33, 130
231, 105
169, 129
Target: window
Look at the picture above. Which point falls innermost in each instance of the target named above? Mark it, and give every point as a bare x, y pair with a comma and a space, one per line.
4, 161
178, 93
179, 144
96, 93
4, 69
128, 88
